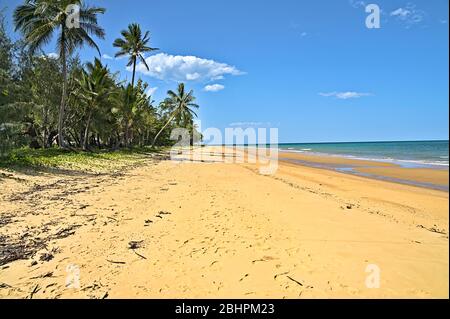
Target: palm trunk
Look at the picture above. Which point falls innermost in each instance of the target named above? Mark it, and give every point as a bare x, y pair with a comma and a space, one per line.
162, 129
86, 131
118, 140
44, 137
127, 128
44, 128
130, 133
51, 137
62, 107
134, 73
81, 137
75, 138
126, 133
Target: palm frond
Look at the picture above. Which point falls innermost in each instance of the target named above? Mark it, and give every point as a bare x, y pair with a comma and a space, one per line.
142, 59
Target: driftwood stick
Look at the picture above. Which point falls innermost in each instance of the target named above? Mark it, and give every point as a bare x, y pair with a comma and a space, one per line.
35, 290
143, 257
294, 280
115, 262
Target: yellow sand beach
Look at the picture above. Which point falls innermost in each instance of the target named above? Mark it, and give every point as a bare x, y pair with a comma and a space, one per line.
165, 229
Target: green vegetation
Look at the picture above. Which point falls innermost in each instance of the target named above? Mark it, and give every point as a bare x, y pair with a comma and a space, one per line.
102, 161
53, 104
38, 20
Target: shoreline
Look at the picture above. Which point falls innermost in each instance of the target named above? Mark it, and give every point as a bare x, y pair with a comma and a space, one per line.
405, 163
428, 177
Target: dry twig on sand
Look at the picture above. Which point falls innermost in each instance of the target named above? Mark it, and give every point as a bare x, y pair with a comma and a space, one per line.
143, 257
116, 262
296, 281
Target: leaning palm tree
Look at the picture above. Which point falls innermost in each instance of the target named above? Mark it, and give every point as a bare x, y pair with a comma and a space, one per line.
133, 45
39, 19
179, 105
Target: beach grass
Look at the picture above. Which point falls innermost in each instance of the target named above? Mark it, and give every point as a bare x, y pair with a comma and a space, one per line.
97, 161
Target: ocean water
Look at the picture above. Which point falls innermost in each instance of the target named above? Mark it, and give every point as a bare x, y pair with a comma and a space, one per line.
407, 154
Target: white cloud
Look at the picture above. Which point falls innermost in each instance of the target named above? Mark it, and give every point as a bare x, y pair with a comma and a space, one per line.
345, 95
192, 76
150, 91
53, 55
214, 87
185, 68
250, 124
401, 12
107, 57
409, 15
303, 34
357, 3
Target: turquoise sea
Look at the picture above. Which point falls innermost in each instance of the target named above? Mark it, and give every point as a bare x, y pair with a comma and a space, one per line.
407, 154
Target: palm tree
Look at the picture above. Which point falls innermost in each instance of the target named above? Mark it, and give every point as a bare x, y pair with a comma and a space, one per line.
178, 105
94, 86
133, 45
39, 19
124, 101
139, 104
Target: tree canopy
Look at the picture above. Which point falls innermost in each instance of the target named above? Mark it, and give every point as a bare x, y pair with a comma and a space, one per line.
43, 96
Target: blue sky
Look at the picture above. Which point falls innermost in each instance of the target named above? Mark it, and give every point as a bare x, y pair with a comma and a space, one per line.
310, 68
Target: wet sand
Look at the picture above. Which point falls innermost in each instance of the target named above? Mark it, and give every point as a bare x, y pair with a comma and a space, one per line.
436, 177
164, 229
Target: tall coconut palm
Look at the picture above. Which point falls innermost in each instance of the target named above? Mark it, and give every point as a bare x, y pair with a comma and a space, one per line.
38, 20
179, 104
133, 45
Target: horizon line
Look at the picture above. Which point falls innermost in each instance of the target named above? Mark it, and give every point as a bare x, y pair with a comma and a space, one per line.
374, 141
284, 143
